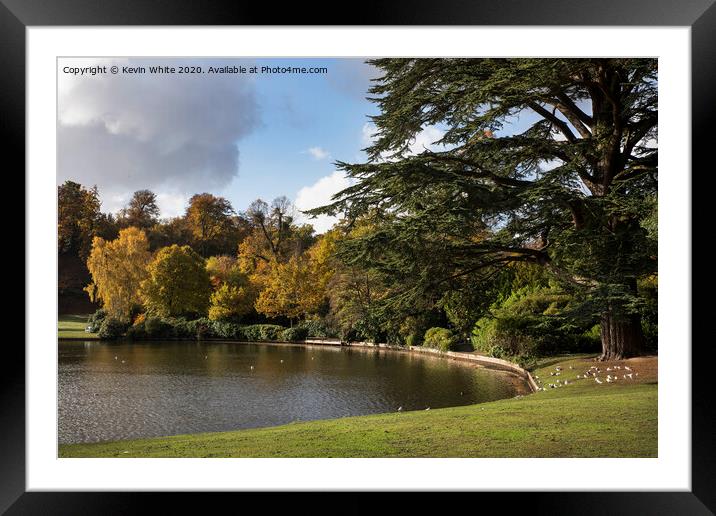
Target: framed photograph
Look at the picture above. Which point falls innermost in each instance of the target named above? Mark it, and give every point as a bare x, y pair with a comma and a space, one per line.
395, 253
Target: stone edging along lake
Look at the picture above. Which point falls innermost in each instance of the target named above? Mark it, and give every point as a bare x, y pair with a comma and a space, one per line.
493, 363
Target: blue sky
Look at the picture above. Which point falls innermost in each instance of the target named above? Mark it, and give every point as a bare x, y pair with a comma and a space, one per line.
309, 122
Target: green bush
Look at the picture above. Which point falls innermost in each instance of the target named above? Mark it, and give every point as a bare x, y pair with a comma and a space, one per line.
593, 334
317, 329
498, 352
440, 338
530, 323
413, 340
227, 330
200, 328
153, 327
95, 320
350, 335
157, 328
136, 332
262, 332
270, 331
411, 331
111, 329
294, 334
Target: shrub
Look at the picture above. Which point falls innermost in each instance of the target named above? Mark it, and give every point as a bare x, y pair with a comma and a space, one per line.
317, 329
413, 340
227, 330
294, 334
412, 329
594, 334
440, 338
367, 329
530, 322
136, 331
111, 328
409, 330
498, 352
95, 320
156, 327
269, 331
200, 327
251, 332
180, 328
260, 332
350, 335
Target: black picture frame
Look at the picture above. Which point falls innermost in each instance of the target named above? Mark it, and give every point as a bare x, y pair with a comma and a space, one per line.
700, 15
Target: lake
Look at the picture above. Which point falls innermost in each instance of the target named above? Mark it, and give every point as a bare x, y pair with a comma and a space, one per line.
112, 391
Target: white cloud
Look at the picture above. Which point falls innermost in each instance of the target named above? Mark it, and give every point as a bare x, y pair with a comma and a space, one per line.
174, 133
423, 140
367, 134
319, 194
113, 203
172, 204
317, 152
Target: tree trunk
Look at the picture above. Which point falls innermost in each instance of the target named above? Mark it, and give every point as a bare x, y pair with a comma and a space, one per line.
622, 336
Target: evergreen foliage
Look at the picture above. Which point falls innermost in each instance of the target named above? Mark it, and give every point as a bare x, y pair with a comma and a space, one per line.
572, 192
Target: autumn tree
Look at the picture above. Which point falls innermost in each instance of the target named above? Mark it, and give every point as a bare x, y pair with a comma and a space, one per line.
224, 269
274, 234
273, 224
287, 290
323, 264
77, 218
209, 218
177, 283
569, 191
118, 268
142, 210
233, 295
273, 240
170, 231
298, 287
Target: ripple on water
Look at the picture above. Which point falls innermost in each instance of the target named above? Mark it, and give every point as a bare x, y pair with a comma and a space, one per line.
155, 389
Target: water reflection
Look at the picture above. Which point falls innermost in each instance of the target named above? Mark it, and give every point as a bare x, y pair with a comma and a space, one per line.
123, 391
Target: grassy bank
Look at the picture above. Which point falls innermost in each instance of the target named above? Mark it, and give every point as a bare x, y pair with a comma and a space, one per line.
73, 327
581, 419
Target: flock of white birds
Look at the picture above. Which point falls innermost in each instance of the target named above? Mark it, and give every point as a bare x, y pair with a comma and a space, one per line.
613, 375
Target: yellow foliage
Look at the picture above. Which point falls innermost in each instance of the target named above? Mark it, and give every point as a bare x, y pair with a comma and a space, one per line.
177, 283
224, 269
230, 301
298, 287
234, 295
118, 267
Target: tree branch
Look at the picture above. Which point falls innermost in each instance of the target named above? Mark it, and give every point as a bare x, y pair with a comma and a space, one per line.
562, 126
572, 107
483, 173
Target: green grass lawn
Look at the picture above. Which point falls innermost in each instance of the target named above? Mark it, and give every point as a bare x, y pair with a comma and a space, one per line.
73, 327
582, 419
